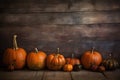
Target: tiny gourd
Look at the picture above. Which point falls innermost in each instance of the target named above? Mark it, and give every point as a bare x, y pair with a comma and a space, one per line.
68, 67
101, 68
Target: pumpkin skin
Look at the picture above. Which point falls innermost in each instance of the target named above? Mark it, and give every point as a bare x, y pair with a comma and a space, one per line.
91, 57
110, 63
72, 61
68, 67
36, 60
101, 68
55, 61
15, 55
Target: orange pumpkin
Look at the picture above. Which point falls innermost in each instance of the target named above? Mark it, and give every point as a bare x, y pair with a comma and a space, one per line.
68, 67
101, 68
36, 60
90, 58
55, 61
72, 60
15, 55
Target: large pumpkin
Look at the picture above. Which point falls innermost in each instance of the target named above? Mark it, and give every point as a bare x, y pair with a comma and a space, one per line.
55, 61
72, 60
15, 55
110, 63
36, 60
90, 58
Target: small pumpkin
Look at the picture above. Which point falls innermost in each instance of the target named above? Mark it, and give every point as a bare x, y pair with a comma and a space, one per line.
101, 68
68, 67
72, 60
110, 63
36, 60
15, 55
77, 67
55, 61
91, 57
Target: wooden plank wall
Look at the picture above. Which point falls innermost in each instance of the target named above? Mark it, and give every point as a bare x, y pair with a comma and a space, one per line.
49, 24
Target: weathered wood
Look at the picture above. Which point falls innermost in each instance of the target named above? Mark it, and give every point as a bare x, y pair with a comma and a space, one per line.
69, 38
36, 1
57, 75
29, 6
48, 24
61, 18
113, 75
87, 75
67, 32
21, 75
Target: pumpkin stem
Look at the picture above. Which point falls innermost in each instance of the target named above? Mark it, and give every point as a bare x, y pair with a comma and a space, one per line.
72, 55
36, 50
110, 54
56, 55
58, 50
15, 46
93, 49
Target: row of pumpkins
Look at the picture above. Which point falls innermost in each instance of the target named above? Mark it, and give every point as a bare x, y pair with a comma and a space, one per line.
17, 58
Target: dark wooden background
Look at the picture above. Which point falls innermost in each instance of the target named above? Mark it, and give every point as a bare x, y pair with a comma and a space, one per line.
49, 24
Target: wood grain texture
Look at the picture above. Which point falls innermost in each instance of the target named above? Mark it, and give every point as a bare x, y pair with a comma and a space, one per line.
69, 38
21, 75
87, 75
49, 24
111, 76
57, 75
61, 18
27, 6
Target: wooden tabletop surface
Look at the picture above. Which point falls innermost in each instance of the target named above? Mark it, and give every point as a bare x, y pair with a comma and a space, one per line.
59, 75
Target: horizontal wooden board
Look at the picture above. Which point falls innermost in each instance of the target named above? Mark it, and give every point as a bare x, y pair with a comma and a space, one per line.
95, 31
60, 18
21, 75
69, 38
58, 6
87, 75
57, 75
111, 76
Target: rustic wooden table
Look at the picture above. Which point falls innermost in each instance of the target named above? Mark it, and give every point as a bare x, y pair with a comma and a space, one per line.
58, 75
